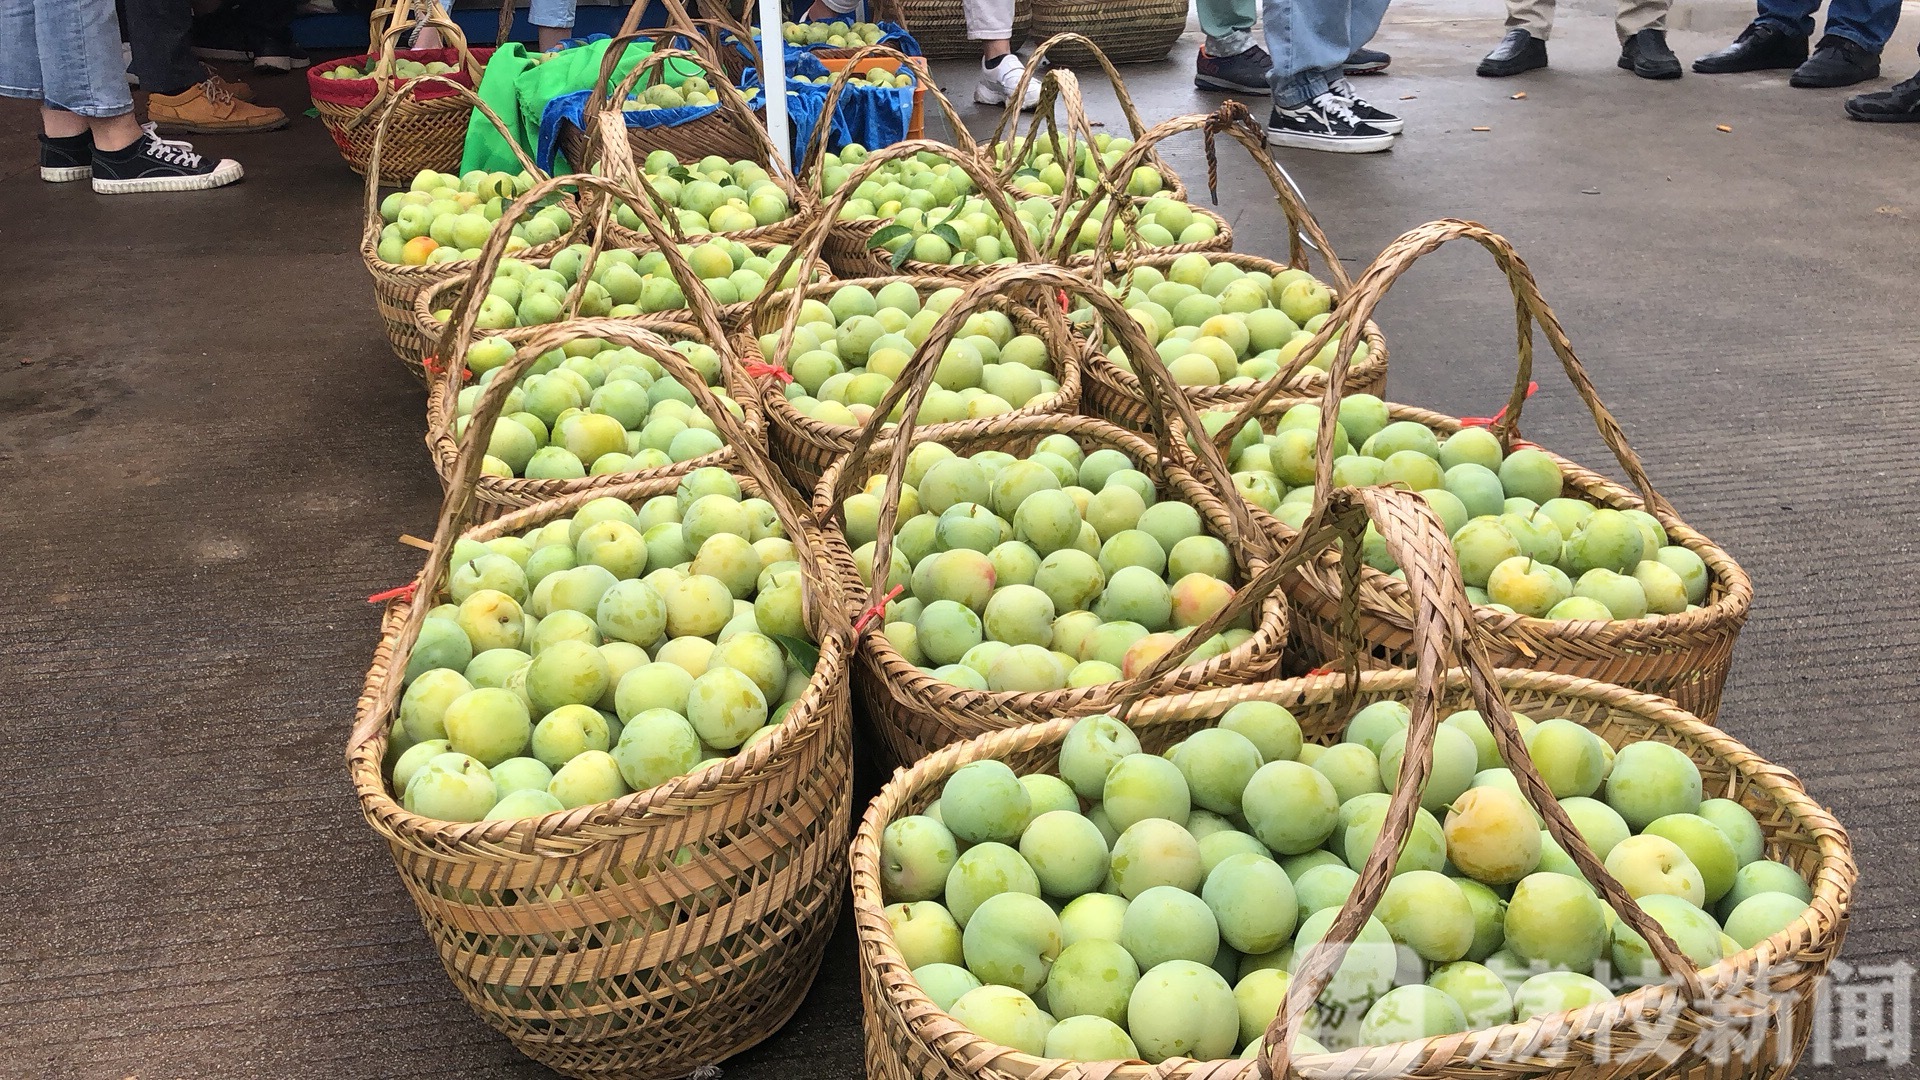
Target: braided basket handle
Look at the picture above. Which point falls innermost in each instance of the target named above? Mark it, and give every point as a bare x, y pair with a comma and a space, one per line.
386, 120
810, 243
733, 104
815, 155
1443, 637
1529, 306
400, 20
1009, 119
1232, 119
1048, 282
454, 508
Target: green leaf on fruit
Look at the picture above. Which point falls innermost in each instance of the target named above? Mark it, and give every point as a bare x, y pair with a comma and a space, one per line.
884, 236
900, 256
804, 654
681, 173
947, 232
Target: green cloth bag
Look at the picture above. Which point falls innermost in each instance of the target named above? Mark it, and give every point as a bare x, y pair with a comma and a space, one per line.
518, 87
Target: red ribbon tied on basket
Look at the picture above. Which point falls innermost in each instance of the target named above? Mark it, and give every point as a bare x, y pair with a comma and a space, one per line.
877, 611
401, 592
435, 368
759, 369
1489, 421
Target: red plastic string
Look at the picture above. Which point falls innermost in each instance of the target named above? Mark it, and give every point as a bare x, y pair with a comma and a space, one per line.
1063, 298
1329, 669
877, 611
756, 369
435, 368
1489, 421
402, 592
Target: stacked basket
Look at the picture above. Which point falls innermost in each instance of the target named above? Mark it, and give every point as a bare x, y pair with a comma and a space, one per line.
428, 130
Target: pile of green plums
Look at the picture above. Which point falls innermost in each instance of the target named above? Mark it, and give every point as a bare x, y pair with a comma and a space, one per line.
838, 33
1060, 569
848, 351
623, 282
969, 232
1042, 173
712, 195
600, 654
692, 91
442, 217
1523, 547
1215, 324
1149, 906
589, 408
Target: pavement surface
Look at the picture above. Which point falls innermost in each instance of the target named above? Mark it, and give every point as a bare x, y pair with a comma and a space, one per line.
206, 453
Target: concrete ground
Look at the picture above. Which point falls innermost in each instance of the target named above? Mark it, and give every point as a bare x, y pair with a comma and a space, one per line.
208, 453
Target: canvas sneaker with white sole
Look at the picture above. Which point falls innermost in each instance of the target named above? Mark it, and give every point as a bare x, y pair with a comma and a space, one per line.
156, 164
1326, 124
1365, 110
64, 160
997, 84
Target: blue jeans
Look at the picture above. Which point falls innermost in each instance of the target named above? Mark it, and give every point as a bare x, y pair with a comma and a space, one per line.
549, 13
1310, 41
64, 53
1867, 23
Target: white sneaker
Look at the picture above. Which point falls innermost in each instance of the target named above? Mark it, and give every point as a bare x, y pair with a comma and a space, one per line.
997, 84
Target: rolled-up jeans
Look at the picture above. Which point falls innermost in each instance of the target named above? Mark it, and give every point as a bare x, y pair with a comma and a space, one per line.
64, 53
1310, 41
548, 13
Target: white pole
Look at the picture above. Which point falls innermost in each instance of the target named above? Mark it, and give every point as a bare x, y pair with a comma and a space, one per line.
773, 75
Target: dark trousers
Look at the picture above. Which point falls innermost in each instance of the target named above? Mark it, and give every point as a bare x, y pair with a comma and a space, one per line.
160, 32
255, 20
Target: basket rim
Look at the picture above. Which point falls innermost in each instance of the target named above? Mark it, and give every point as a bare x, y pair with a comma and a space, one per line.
1832, 884
519, 837
1100, 366
780, 412
522, 490
1270, 622
1732, 598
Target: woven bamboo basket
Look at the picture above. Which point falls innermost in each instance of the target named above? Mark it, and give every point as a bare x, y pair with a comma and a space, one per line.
1684, 656
397, 285
805, 447
734, 130
425, 133
915, 713
1125, 32
941, 28
496, 495
664, 931
848, 247
1754, 1005
1114, 393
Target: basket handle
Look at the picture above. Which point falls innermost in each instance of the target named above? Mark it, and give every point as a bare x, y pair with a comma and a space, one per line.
457, 335
454, 508
386, 120
811, 160
1049, 283
1444, 637
733, 104
1009, 120
1232, 119
1529, 306
401, 20
617, 156
809, 245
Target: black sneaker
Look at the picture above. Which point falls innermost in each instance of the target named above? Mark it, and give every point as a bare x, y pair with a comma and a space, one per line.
1646, 54
157, 164
1366, 62
1367, 112
1243, 71
1897, 104
278, 53
1326, 123
1836, 61
65, 160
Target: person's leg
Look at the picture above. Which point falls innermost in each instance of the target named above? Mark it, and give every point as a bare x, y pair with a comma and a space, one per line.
1310, 41
1792, 17
1363, 21
1642, 28
161, 32
990, 22
1867, 23
268, 25
1230, 58
1524, 47
552, 20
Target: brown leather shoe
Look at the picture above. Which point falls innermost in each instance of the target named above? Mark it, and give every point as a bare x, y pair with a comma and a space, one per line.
207, 108
236, 87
